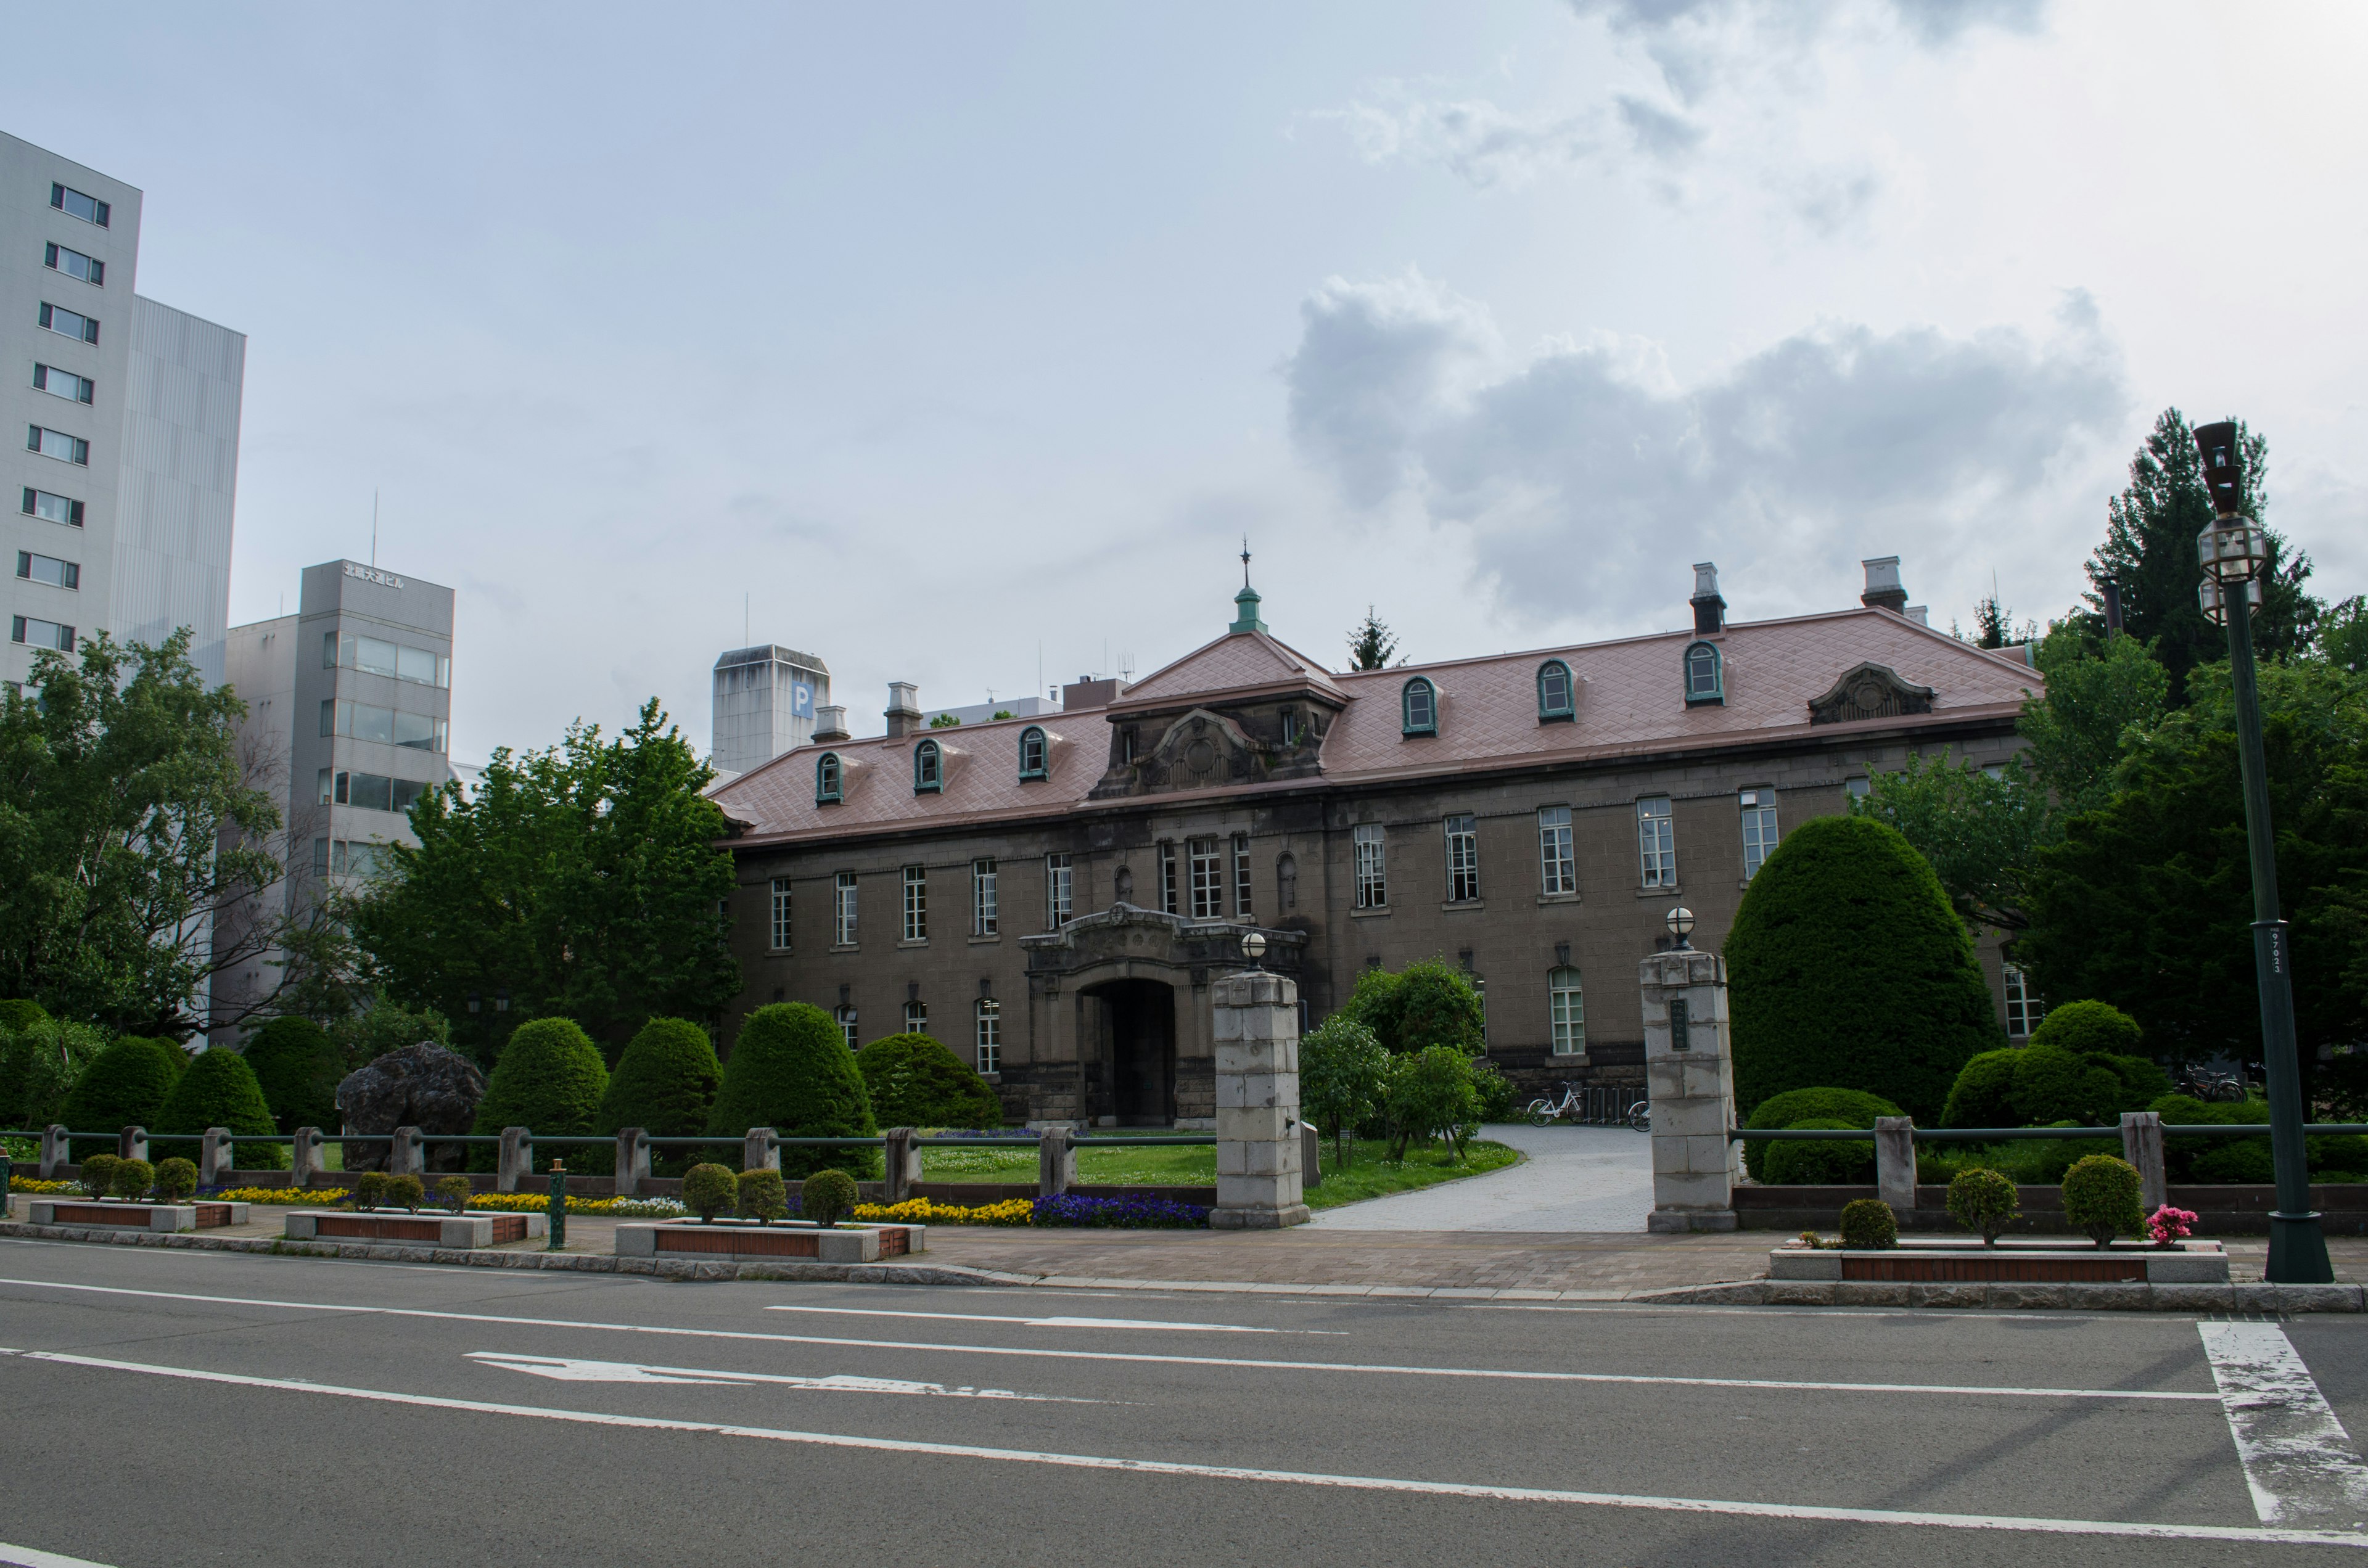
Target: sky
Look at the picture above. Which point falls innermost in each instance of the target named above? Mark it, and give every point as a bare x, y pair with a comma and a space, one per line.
963, 343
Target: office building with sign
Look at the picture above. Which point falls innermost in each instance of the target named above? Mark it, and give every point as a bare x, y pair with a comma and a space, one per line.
119, 497
764, 704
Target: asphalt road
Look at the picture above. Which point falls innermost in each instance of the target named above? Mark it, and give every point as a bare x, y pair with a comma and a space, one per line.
170, 1408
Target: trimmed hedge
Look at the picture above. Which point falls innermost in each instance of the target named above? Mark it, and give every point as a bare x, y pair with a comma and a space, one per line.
1869, 1222
665, 1084
298, 1066
763, 1196
19, 1014
125, 1086
2089, 1028
827, 1198
1848, 966
1820, 1161
2038, 1085
2100, 1198
914, 1080
549, 1078
1984, 1201
789, 1069
219, 1090
1798, 1107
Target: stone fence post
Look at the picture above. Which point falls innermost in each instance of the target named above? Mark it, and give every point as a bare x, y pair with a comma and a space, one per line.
1689, 1072
2142, 1146
516, 1160
407, 1153
56, 1151
632, 1160
902, 1167
1311, 1155
303, 1157
1259, 1144
215, 1159
760, 1150
1056, 1163
1895, 1164
131, 1143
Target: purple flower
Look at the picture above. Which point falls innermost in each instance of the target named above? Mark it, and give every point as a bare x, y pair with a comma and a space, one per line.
1133, 1211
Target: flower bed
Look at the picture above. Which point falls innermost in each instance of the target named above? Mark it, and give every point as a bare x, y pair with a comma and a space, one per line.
925, 1210
497, 1202
1127, 1213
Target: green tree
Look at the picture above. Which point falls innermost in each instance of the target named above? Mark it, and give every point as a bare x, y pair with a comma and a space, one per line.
665, 1084
1430, 1094
914, 1081
584, 880
2149, 552
549, 1078
1848, 968
1371, 643
1429, 1002
789, 1069
218, 1090
297, 1066
382, 1025
133, 830
1343, 1070
1979, 832
2344, 635
41, 1061
2098, 693
125, 1086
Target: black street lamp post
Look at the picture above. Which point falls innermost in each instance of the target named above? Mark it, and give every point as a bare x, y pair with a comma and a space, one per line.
2233, 552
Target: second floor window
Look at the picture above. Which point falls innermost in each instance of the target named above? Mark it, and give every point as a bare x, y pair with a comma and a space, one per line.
1208, 880
1242, 875
1759, 830
916, 1017
1463, 859
1372, 880
781, 925
35, 633
1167, 888
843, 911
388, 726
51, 507
48, 569
63, 383
983, 919
72, 323
1557, 868
1059, 888
1657, 842
846, 1016
2023, 1010
74, 264
917, 905
57, 444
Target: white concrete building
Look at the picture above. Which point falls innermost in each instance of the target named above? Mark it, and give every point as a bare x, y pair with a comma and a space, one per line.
764, 704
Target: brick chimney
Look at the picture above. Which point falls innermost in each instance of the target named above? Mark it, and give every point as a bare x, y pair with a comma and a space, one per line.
1883, 589
1710, 609
903, 711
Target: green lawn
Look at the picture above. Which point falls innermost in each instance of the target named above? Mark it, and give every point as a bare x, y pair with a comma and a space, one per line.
1370, 1173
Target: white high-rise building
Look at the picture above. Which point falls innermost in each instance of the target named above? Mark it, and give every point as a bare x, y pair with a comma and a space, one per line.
119, 498
764, 704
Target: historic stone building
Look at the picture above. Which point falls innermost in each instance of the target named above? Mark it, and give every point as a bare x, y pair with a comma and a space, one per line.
1053, 895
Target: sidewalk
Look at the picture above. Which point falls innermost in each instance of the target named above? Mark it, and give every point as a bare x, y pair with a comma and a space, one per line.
1597, 1179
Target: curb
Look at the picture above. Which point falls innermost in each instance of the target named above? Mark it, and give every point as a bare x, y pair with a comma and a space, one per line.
2258, 1298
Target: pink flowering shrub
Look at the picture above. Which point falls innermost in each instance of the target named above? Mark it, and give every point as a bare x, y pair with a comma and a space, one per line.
2166, 1225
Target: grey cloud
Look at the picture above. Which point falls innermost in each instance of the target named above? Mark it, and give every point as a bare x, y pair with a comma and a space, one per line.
1472, 138
1579, 483
1694, 42
1657, 133
1832, 201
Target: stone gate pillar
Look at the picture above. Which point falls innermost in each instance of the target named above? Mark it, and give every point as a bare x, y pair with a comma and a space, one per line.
1257, 1037
1689, 1072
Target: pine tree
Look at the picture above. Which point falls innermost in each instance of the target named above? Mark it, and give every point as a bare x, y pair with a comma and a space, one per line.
1371, 645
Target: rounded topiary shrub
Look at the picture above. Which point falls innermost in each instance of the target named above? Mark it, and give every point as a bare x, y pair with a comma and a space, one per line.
97, 1173
2053, 1085
405, 1192
125, 1086
452, 1191
915, 1081
2089, 1028
1846, 1107
827, 1198
1848, 966
131, 1178
763, 1196
220, 1090
1820, 1161
176, 1179
19, 1014
370, 1190
2100, 1198
789, 1069
550, 1079
665, 1084
1869, 1222
297, 1066
1983, 1094
708, 1190
1983, 1201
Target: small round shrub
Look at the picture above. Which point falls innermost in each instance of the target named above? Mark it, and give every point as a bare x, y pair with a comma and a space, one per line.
665, 1084
2143, 1080
827, 1198
2100, 1198
1868, 1223
1983, 1094
915, 1081
176, 1179
708, 1190
96, 1175
125, 1086
1820, 1161
1982, 1201
405, 1192
297, 1066
2052, 1084
763, 1196
2089, 1028
370, 1190
789, 1069
131, 1179
452, 1191
219, 1089
1851, 1108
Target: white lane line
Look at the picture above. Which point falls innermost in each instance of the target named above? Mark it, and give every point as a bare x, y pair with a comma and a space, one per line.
26, 1557
2298, 1458
2002, 1522
1057, 1322
573, 1369
1143, 1357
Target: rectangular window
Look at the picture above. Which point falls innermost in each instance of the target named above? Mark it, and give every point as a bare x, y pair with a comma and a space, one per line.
1372, 881
320, 857
1060, 887
916, 1017
1567, 1012
1857, 789
420, 731
52, 508
63, 383
74, 264
843, 911
69, 323
1463, 859
1759, 830
781, 923
75, 204
2023, 1010
1557, 868
847, 1026
1167, 891
1656, 842
916, 903
48, 569
1241, 876
37, 633
57, 444
990, 1035
985, 916
1208, 879
374, 655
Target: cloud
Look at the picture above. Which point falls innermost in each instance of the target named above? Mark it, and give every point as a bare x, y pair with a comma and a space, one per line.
1657, 133
1694, 43
1580, 475
1472, 138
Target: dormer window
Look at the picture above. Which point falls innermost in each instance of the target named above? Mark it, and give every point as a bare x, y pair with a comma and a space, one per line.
1418, 706
928, 768
1555, 700
1705, 679
1032, 753
828, 778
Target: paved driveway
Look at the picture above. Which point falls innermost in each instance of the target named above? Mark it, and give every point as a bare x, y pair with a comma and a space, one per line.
1573, 1178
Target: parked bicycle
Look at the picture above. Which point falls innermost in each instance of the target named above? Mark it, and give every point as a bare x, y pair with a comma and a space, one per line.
1593, 1106
2203, 1084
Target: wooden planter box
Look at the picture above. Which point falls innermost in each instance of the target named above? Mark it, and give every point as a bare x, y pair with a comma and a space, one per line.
1970, 1263
745, 1240
426, 1228
115, 1215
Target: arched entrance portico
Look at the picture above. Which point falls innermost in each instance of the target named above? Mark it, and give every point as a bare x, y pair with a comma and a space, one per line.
1129, 1027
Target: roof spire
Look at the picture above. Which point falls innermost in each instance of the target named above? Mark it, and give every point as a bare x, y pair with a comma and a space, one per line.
1245, 603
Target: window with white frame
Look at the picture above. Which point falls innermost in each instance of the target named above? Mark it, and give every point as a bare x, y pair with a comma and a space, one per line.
372, 656
1857, 789
52, 508
842, 932
57, 444
989, 1016
928, 768
1566, 1011
75, 204
1557, 867
829, 775
1463, 859
68, 324
1419, 708
63, 383
1372, 880
1759, 830
1241, 876
846, 1016
1656, 842
1060, 887
781, 923
48, 569
388, 726
1555, 700
1208, 879
1168, 899
1705, 680
35, 633
916, 1017
1032, 753
74, 264
985, 918
2023, 1009
916, 903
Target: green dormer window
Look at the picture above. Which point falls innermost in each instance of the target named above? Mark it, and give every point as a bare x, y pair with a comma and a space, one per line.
1705, 675
828, 778
1419, 708
1032, 753
1554, 692
928, 768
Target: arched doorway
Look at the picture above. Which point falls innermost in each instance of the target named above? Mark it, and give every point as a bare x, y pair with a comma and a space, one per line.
1134, 1027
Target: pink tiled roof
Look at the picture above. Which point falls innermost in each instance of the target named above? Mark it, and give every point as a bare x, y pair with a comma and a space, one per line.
1629, 701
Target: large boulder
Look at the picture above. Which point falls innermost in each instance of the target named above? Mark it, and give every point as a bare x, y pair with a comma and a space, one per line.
421, 1086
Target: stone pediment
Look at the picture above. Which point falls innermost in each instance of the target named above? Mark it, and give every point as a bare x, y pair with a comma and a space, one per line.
1126, 934
1203, 749
1869, 691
